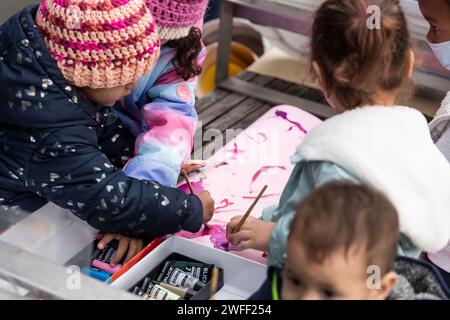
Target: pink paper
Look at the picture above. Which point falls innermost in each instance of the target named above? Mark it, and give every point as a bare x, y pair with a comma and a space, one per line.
235, 175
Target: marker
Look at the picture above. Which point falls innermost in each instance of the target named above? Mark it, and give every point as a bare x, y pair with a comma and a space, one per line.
106, 266
103, 259
127, 266
96, 273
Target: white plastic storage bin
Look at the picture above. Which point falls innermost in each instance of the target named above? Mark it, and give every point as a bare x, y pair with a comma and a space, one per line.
242, 277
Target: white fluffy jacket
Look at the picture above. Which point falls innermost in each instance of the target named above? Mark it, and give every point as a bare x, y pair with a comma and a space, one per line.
391, 150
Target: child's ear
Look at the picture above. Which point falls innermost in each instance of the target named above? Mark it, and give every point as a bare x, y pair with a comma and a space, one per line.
411, 63
319, 74
387, 283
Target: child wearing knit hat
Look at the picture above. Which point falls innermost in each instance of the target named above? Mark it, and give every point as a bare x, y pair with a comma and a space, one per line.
100, 46
176, 18
161, 110
62, 63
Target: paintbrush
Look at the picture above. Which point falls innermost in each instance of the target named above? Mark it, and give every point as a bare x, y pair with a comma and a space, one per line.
214, 283
196, 162
191, 189
241, 223
185, 175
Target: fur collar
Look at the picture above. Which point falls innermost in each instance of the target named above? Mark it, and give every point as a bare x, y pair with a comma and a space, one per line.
391, 150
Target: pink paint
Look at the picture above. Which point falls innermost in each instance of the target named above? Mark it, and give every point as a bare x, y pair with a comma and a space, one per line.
264, 169
217, 234
196, 185
219, 238
225, 203
235, 151
263, 136
284, 115
223, 163
260, 137
189, 235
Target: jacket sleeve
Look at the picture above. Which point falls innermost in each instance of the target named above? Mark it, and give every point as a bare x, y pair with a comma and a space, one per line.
306, 177
168, 133
117, 142
69, 170
168, 127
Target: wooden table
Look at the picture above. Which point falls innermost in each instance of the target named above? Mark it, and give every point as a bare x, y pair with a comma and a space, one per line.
224, 109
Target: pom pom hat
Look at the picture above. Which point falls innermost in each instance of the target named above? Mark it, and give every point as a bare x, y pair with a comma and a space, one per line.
175, 18
99, 43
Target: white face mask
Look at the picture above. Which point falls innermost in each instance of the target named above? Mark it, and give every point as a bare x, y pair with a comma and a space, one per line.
442, 52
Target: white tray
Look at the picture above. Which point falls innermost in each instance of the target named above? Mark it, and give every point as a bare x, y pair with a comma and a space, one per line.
242, 277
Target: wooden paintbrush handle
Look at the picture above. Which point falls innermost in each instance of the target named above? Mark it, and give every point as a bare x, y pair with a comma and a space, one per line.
186, 177
241, 223
214, 282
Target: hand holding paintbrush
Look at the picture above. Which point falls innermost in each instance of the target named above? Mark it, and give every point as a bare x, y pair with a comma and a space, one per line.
205, 198
248, 232
239, 225
186, 177
214, 283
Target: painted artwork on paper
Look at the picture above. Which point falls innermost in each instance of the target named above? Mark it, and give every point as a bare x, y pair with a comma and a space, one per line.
234, 175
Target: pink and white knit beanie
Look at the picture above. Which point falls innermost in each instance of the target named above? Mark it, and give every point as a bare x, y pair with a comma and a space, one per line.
99, 43
175, 18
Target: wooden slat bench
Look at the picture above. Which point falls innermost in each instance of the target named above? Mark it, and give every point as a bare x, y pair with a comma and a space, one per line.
223, 109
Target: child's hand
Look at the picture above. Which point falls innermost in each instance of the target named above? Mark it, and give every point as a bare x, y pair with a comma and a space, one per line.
254, 233
208, 205
127, 245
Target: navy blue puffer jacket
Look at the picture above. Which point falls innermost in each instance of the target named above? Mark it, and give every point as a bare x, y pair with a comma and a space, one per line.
56, 145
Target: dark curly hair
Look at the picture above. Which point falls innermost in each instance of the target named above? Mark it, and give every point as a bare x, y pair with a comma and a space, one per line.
188, 49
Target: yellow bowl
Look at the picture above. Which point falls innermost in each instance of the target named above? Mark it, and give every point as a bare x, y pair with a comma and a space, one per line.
207, 83
241, 58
